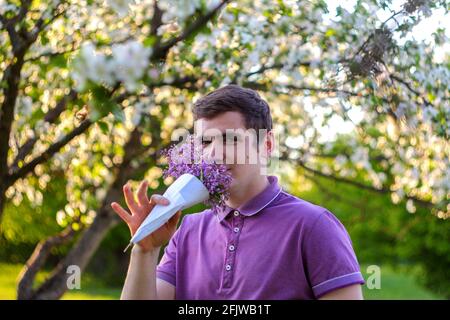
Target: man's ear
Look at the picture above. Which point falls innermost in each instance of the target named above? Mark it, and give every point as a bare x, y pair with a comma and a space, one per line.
269, 142
266, 148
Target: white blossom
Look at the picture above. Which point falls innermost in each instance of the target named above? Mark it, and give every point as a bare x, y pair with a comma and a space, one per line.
93, 66
8, 7
139, 109
410, 206
428, 113
121, 7
401, 109
24, 106
361, 158
130, 61
425, 9
340, 160
128, 64
178, 9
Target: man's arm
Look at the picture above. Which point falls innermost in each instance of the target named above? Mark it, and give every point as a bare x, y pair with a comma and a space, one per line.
352, 292
141, 281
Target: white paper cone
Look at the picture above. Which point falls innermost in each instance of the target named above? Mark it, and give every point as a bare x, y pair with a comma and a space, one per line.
183, 193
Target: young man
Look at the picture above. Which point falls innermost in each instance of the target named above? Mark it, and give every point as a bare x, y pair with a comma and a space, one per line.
266, 243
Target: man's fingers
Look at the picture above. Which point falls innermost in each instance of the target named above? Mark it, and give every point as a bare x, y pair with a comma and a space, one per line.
158, 199
129, 198
121, 212
142, 193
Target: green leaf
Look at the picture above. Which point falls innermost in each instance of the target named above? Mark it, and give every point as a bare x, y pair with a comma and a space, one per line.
58, 61
118, 113
103, 126
150, 41
101, 103
44, 40
330, 33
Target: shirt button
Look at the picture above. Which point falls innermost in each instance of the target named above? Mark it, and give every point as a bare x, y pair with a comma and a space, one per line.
236, 229
231, 248
228, 267
236, 213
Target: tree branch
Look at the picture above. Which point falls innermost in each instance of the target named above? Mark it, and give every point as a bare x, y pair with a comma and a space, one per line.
10, 26
326, 190
410, 88
47, 154
51, 117
41, 24
12, 79
156, 19
50, 54
194, 27
357, 184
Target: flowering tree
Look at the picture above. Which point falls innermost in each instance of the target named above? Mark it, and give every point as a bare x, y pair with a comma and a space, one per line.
95, 89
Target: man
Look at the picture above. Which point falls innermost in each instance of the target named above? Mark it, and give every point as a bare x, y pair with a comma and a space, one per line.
265, 244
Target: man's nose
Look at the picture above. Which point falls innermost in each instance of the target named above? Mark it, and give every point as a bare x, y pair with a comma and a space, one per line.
215, 153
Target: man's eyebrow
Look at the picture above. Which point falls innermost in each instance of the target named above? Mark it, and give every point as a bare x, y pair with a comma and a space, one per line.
223, 136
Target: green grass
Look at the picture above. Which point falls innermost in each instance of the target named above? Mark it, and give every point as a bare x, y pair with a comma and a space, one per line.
90, 288
394, 285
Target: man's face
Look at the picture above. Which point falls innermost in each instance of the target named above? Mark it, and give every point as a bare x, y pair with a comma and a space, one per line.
225, 139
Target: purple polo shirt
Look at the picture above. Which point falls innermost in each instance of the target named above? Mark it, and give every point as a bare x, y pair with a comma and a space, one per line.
275, 246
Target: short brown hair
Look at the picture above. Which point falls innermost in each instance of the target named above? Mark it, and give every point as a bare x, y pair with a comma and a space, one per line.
254, 109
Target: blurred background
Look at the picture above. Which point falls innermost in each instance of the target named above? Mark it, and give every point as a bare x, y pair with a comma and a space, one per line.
91, 90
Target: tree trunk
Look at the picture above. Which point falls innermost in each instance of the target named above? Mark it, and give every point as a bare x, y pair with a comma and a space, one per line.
37, 260
2, 201
56, 285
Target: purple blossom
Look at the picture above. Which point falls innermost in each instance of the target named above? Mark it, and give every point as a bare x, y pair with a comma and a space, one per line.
188, 158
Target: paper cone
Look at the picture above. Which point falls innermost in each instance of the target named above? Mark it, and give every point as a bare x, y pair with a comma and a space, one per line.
183, 193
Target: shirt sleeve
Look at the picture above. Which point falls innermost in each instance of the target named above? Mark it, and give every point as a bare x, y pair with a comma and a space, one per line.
166, 269
329, 257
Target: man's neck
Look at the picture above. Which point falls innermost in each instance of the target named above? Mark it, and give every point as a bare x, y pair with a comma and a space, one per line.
246, 193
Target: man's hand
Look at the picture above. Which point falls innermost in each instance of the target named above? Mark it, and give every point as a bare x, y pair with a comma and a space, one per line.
140, 209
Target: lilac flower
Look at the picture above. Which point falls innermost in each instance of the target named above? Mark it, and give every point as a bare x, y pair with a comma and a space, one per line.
188, 158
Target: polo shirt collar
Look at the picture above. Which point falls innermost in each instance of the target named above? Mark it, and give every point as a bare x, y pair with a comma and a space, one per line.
255, 204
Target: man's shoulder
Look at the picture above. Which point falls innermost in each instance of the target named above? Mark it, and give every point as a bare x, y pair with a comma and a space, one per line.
296, 207
307, 214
